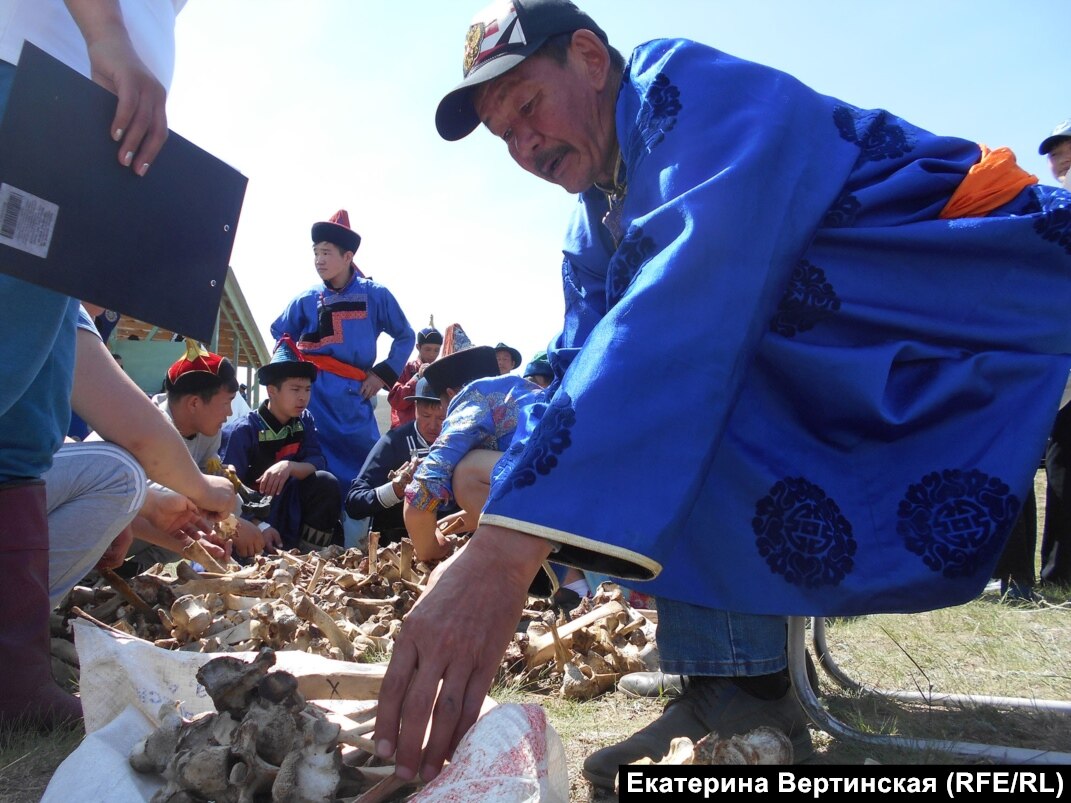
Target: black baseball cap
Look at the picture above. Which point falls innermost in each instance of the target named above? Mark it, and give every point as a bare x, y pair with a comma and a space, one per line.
500, 37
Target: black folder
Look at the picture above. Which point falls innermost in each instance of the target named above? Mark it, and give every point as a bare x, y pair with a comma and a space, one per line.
74, 220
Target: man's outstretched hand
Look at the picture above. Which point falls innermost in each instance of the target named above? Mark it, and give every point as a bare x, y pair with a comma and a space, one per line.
455, 634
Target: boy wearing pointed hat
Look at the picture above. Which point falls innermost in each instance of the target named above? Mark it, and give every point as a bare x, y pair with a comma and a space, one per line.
402, 409
275, 449
336, 325
199, 388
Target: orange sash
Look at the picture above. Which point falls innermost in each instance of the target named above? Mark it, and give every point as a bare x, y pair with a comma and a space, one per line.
331, 365
991, 183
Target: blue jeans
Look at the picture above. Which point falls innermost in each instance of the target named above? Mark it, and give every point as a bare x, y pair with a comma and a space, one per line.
704, 641
37, 328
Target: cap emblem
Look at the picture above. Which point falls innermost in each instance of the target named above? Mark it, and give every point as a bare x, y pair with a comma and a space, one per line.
484, 40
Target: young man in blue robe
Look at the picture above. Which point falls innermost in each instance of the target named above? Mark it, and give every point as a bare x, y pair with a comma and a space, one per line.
336, 325
275, 449
882, 314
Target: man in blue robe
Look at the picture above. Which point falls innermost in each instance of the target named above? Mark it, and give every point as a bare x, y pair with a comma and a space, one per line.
882, 318
336, 325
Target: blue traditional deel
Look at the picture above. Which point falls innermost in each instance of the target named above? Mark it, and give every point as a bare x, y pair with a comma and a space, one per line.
789, 386
345, 325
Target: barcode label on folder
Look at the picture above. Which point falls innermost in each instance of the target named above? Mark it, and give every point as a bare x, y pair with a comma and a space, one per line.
26, 221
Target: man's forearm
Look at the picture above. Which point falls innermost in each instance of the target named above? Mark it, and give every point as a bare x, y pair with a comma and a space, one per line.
109, 401
421, 527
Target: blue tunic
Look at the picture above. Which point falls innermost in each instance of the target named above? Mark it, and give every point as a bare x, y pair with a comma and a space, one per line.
874, 385
256, 442
345, 324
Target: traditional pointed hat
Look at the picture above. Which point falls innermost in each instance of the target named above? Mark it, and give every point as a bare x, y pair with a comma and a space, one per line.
286, 362
429, 334
337, 230
513, 353
460, 363
199, 369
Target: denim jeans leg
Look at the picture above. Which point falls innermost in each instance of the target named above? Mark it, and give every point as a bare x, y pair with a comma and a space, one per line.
703, 641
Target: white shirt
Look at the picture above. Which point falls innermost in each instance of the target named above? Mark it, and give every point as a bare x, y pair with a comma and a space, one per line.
50, 26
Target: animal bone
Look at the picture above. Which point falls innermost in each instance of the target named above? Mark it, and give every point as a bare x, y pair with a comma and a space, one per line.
231, 682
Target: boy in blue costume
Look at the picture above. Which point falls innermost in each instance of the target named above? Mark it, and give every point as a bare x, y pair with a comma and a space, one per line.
336, 325
275, 450
874, 303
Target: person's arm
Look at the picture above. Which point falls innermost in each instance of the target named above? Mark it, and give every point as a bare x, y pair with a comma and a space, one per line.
428, 542
292, 321
308, 459
109, 401
372, 491
404, 387
424, 647
140, 122
392, 321
271, 482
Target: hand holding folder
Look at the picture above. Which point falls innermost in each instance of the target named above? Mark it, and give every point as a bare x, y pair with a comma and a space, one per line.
72, 220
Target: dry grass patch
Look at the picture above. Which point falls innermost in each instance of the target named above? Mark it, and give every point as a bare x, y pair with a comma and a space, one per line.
28, 759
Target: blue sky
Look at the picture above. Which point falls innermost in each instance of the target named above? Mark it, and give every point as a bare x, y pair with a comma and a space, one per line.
329, 104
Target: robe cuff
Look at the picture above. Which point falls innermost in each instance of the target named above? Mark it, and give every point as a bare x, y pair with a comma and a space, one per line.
386, 496
386, 373
584, 553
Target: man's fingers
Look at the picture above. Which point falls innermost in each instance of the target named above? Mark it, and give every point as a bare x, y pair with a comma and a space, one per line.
391, 694
416, 711
445, 721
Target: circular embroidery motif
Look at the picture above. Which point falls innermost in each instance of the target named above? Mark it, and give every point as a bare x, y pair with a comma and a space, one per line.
524, 462
808, 299
1055, 226
802, 534
877, 133
956, 521
843, 213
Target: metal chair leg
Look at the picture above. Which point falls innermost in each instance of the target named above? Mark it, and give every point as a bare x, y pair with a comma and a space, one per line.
823, 719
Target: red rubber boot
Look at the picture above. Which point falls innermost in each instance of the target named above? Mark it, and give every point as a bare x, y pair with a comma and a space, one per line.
28, 694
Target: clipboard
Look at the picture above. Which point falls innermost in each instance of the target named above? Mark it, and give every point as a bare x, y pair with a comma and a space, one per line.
73, 220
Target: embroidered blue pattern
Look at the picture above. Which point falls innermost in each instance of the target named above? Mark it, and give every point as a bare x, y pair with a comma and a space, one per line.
876, 137
802, 534
843, 213
956, 520
1055, 226
539, 455
808, 300
630, 256
658, 114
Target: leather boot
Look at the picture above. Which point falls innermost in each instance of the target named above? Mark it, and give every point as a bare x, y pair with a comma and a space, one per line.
28, 695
